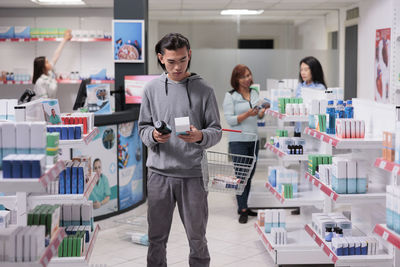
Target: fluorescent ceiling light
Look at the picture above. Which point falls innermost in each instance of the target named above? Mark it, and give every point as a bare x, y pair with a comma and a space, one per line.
241, 12
59, 2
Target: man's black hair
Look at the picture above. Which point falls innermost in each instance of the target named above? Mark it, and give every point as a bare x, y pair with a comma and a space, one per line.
171, 41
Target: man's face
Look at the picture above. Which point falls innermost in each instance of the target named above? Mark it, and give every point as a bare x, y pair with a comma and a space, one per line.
176, 62
53, 112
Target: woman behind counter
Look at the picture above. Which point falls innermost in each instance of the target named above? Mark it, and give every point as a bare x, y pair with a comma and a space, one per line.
241, 113
311, 75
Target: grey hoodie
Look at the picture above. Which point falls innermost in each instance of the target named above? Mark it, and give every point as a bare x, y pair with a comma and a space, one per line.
164, 99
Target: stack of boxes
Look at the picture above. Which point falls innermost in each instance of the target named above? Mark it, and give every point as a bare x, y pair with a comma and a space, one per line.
7, 109
350, 128
22, 138
47, 215
315, 160
389, 145
271, 219
283, 101
66, 132
84, 119
73, 179
276, 94
284, 180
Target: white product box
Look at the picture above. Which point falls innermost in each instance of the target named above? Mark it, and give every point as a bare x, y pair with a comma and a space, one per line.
314, 107
260, 217
37, 241
339, 167
9, 237
4, 218
23, 137
27, 244
352, 128
20, 113
351, 169
362, 129
348, 128
358, 125
38, 133
20, 244
182, 125
323, 104
10, 109
3, 109
275, 218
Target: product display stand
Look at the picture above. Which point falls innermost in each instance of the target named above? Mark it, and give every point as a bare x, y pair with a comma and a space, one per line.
300, 248
32, 192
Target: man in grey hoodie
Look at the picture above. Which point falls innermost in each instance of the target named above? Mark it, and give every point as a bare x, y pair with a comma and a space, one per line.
174, 161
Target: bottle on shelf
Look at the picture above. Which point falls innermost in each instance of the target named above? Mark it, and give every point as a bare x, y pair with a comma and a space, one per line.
348, 110
330, 118
339, 109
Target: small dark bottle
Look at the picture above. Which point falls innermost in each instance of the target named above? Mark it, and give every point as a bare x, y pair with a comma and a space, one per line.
162, 127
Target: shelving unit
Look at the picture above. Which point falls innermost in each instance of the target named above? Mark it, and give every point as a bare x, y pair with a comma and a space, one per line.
299, 250
77, 261
387, 166
87, 138
284, 156
345, 198
339, 143
26, 40
381, 259
383, 231
286, 118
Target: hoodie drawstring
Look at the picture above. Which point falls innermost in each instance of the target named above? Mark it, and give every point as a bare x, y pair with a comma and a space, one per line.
187, 91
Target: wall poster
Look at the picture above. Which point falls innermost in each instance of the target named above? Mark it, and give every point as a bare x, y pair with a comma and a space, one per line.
382, 65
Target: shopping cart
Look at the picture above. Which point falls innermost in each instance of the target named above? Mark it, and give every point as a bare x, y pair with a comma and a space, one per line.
227, 172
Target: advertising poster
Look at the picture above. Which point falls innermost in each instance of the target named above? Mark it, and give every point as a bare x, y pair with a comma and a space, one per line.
98, 98
130, 164
128, 41
382, 65
102, 151
51, 111
134, 86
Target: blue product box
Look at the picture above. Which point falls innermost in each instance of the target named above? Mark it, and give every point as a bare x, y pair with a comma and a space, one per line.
78, 132
51, 129
346, 251
7, 168
22, 32
26, 168
389, 218
61, 184
16, 168
351, 185
361, 185
357, 249
68, 180
81, 181
364, 248
267, 227
64, 133
7, 32
36, 168
71, 132
74, 179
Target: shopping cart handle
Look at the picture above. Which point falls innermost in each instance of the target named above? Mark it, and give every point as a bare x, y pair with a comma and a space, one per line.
230, 130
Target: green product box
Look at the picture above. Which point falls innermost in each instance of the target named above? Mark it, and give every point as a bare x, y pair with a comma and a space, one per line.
281, 105
79, 245
285, 133
53, 140
42, 32
300, 100
65, 247
36, 215
53, 32
60, 249
325, 160
70, 241
74, 245
330, 159
312, 163
61, 31
35, 33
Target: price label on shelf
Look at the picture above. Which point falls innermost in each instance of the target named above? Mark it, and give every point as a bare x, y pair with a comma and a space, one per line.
321, 137
330, 256
322, 245
315, 134
382, 165
332, 195
330, 141
319, 186
313, 236
385, 235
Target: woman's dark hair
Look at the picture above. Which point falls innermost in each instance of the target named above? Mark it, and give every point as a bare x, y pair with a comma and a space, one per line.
171, 41
39, 65
317, 74
237, 73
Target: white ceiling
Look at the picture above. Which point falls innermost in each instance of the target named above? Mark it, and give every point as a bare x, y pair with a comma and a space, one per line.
208, 10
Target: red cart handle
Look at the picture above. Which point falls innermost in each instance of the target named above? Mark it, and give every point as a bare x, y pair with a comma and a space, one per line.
230, 130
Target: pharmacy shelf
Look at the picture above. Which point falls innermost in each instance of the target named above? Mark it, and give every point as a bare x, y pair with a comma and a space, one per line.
87, 138
356, 260
60, 82
285, 117
349, 143
388, 235
306, 198
345, 198
47, 255
31, 185
77, 261
387, 166
65, 198
300, 248
27, 40
284, 156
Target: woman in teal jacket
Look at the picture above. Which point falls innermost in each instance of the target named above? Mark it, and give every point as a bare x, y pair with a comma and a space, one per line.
101, 192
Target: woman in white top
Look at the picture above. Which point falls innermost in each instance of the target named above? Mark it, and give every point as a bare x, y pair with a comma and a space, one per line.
44, 80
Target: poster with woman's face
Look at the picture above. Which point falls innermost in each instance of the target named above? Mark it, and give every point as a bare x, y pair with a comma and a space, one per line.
102, 151
382, 65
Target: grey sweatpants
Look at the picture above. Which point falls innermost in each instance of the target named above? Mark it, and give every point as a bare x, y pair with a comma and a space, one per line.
163, 193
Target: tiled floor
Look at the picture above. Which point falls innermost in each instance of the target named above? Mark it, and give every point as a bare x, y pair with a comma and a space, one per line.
230, 244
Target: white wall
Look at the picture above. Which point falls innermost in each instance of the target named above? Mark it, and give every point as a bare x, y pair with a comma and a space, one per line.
312, 34
225, 34
374, 14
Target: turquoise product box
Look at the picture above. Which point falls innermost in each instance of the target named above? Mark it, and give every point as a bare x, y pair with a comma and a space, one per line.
22, 31
7, 32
